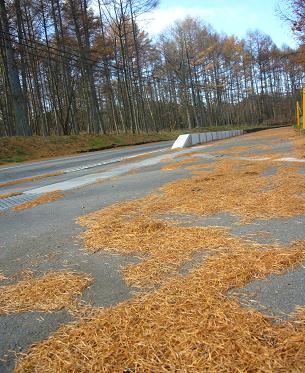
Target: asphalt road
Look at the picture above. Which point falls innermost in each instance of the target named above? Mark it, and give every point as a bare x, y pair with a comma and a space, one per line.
8, 173
45, 237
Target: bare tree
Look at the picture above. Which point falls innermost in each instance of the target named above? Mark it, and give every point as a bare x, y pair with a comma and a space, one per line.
22, 127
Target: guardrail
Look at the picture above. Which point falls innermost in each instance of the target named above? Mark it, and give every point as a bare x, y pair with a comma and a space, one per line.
190, 139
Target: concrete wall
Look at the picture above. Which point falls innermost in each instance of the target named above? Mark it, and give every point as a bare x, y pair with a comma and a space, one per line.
184, 141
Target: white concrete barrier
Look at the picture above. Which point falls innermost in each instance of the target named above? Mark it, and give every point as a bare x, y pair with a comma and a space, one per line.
209, 136
183, 141
195, 138
189, 139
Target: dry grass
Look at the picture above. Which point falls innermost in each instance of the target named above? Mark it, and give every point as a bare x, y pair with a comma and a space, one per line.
45, 198
53, 291
10, 194
30, 179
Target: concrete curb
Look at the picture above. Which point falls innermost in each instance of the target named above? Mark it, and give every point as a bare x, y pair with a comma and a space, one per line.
189, 139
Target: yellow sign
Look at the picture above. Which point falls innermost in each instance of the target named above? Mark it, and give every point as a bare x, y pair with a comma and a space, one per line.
303, 108
300, 111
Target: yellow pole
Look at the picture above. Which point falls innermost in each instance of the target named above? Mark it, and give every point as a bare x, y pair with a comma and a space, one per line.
298, 115
303, 111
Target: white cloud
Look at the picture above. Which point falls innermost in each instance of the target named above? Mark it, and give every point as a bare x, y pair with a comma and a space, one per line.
235, 20
159, 19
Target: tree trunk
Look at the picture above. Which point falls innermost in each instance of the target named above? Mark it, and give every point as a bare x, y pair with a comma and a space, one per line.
22, 127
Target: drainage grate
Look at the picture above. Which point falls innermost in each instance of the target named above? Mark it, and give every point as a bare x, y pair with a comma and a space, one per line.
9, 202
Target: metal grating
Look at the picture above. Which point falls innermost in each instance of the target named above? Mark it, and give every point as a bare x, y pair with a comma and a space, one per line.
9, 202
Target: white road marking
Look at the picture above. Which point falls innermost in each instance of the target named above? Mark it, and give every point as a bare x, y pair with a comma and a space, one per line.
72, 157
290, 159
116, 160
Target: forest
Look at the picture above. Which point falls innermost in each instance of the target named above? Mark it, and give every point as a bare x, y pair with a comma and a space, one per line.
80, 66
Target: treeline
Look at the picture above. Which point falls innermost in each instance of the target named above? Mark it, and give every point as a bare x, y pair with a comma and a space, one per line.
67, 66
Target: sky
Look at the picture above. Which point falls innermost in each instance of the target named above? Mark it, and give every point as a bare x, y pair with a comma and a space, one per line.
227, 16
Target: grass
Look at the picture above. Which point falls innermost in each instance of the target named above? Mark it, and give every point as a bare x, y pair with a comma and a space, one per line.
20, 155
21, 149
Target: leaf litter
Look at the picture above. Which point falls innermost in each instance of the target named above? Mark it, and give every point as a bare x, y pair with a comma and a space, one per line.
2, 276
53, 291
174, 166
44, 198
30, 179
188, 323
10, 194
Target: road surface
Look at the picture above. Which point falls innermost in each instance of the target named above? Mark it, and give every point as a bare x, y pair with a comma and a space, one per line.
20, 171
45, 237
